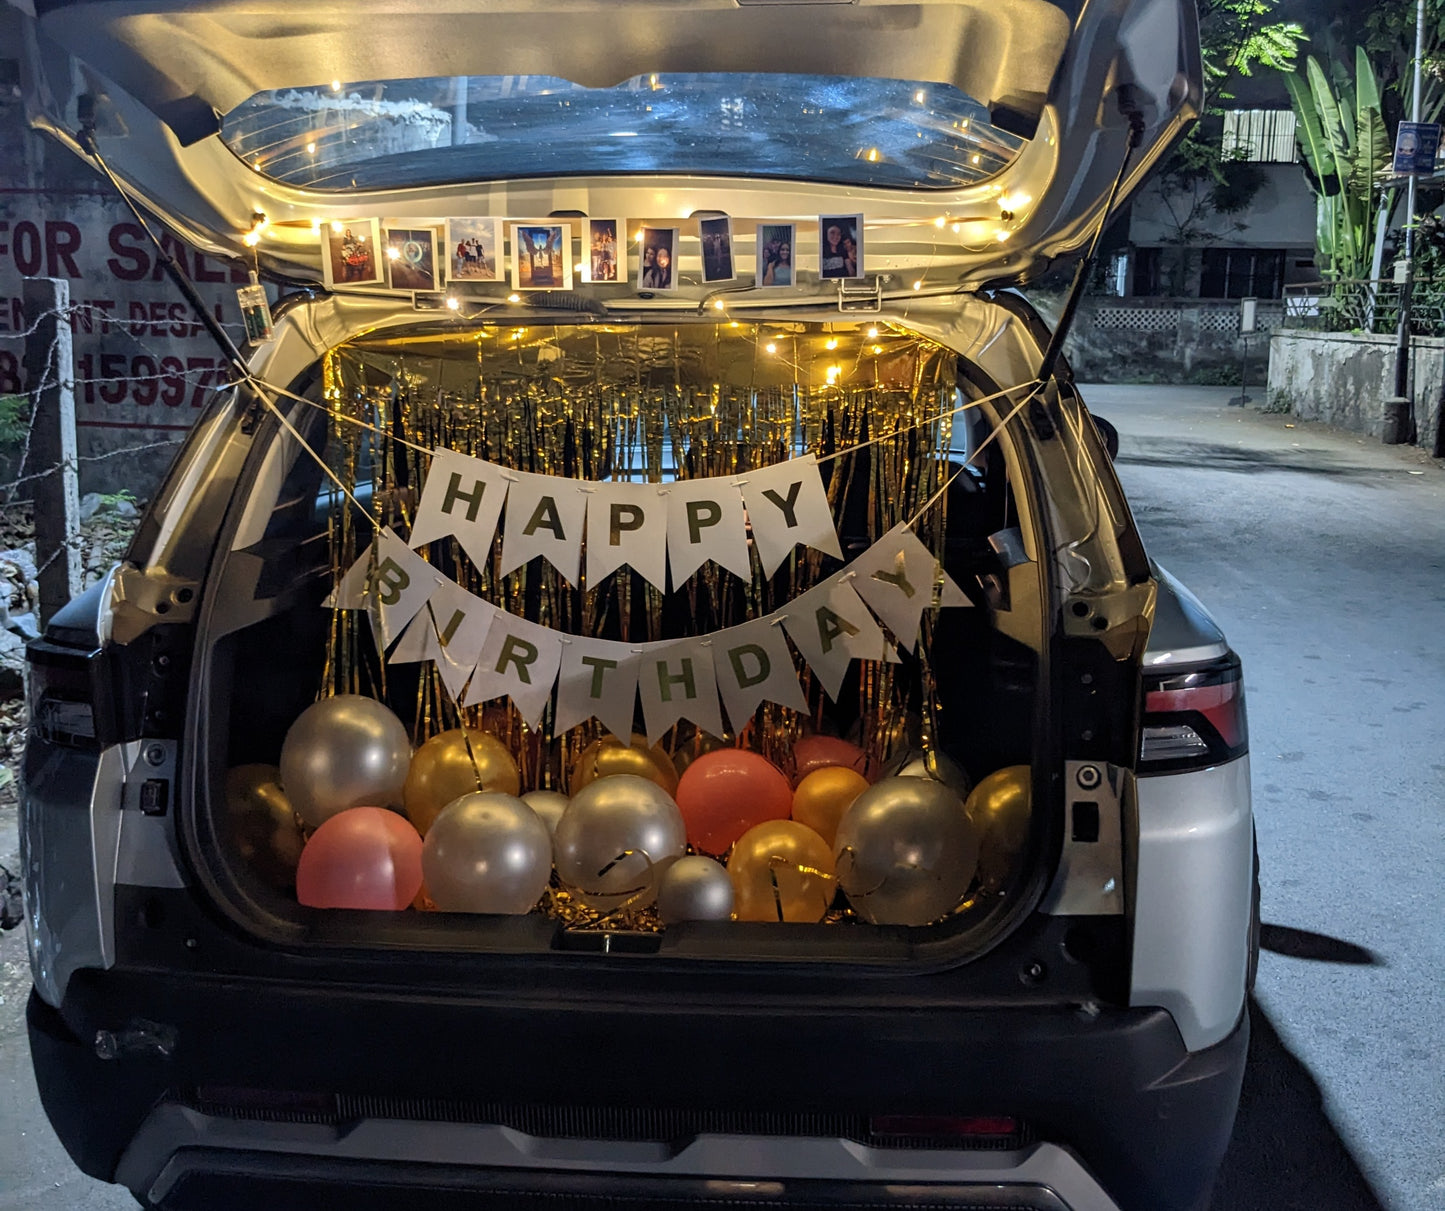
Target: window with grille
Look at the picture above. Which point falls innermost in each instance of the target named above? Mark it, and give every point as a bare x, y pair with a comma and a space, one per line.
1263, 136
1241, 273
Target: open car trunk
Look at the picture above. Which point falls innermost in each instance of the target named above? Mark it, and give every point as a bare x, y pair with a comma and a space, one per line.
907, 431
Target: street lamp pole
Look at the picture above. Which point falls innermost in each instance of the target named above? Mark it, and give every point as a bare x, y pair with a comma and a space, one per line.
1402, 347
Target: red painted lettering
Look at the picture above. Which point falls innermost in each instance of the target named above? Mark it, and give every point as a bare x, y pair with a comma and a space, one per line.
27, 248
62, 242
129, 264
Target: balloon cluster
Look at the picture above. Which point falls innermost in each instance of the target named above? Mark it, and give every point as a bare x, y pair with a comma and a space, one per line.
732, 837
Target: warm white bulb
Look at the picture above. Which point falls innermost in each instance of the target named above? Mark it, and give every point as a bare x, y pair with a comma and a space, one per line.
719, 305
831, 343
453, 303
514, 298
918, 285
311, 149
336, 226
393, 254
336, 86
872, 332
770, 347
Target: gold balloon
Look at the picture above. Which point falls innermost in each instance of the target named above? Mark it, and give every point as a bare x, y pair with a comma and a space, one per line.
824, 795
261, 823
781, 870
608, 755
999, 808
452, 764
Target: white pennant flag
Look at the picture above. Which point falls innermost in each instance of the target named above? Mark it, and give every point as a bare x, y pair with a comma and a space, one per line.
545, 514
462, 496
450, 630
832, 627
519, 659
391, 583
676, 681
705, 520
598, 679
627, 524
787, 505
753, 664
896, 576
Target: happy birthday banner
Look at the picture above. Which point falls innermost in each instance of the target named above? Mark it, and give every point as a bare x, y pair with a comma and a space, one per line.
483, 652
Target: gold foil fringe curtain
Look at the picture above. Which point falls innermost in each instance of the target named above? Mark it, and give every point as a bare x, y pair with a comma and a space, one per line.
649, 403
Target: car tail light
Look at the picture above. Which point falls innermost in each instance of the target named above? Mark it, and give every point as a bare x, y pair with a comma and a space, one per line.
941, 1126
1194, 718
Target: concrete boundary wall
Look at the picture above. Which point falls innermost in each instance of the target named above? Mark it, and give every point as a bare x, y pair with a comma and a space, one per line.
1344, 378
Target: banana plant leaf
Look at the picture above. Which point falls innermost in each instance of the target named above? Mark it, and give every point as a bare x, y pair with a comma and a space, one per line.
1311, 137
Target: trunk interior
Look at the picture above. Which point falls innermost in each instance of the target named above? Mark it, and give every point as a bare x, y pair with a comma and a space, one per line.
882, 406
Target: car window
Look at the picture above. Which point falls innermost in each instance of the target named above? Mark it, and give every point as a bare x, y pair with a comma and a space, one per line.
402, 133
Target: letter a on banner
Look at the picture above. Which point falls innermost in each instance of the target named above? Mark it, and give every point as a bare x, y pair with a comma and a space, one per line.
676, 681
754, 664
598, 680
391, 583
519, 659
627, 524
705, 520
896, 576
787, 504
832, 628
544, 517
462, 496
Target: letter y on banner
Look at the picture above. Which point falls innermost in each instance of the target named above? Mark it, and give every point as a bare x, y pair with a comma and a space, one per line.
787, 504
896, 576
462, 496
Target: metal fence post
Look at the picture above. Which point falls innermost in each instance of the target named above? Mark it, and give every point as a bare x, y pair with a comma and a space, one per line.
50, 380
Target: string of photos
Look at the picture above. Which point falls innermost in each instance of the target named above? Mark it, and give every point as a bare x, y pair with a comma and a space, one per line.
741, 526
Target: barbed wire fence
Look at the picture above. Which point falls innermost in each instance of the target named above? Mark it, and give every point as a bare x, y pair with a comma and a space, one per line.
47, 462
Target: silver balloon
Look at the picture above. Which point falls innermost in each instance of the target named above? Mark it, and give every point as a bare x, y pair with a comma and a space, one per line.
932, 764
695, 888
906, 851
345, 751
615, 840
486, 852
549, 805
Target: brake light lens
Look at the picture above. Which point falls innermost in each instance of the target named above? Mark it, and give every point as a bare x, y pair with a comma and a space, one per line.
1193, 719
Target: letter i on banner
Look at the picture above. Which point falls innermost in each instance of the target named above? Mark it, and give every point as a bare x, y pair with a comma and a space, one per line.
461, 496
896, 577
676, 681
598, 680
832, 628
544, 517
787, 505
450, 630
519, 659
754, 664
391, 583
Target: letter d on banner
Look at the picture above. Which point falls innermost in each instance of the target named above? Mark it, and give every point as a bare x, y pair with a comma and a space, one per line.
754, 664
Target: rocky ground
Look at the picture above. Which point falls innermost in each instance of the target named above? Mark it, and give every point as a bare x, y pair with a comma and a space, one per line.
106, 528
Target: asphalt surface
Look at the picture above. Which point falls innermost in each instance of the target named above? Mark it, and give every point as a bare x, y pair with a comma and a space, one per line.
1323, 556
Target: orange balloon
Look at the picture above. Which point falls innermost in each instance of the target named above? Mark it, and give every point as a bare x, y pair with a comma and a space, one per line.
781, 871
452, 764
608, 755
824, 795
722, 794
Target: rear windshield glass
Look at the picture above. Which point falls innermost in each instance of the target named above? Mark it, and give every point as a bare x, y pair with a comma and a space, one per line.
399, 133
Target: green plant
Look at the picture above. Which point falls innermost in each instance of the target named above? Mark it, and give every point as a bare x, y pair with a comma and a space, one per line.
1279, 403
14, 421
1344, 143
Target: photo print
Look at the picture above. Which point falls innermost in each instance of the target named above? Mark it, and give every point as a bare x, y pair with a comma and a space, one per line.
840, 246
411, 257
542, 256
350, 253
657, 259
776, 242
717, 249
474, 250
605, 259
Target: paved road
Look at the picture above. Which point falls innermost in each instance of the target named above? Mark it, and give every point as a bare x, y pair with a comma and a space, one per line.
1323, 556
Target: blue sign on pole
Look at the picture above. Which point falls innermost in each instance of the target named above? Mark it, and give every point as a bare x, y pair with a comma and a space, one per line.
1416, 146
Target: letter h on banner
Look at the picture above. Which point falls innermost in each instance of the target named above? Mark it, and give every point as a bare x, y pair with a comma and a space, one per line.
462, 496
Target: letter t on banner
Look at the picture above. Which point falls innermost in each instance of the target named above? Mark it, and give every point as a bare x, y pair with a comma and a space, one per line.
462, 496
677, 682
754, 664
598, 679
787, 504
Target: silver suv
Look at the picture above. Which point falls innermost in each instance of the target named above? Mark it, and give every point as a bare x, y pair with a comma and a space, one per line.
1069, 1035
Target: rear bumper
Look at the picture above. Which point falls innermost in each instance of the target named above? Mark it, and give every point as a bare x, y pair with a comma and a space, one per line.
1120, 1114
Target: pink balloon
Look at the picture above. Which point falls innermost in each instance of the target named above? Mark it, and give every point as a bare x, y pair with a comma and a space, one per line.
724, 793
364, 857
818, 752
